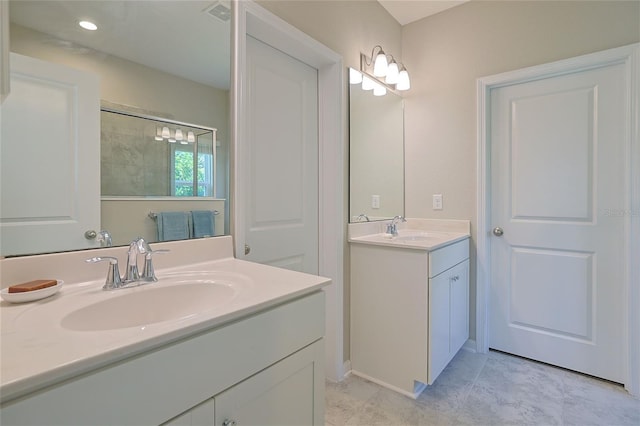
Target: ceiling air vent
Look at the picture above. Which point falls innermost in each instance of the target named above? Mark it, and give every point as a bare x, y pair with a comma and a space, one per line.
220, 10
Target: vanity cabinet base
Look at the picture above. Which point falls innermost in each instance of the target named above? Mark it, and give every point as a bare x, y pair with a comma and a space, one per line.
409, 313
279, 345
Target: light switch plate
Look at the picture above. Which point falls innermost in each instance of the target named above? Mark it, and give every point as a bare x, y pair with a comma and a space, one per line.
375, 201
437, 201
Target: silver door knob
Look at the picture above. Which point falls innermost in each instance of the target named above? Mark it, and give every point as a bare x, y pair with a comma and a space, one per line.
229, 422
247, 249
497, 231
90, 234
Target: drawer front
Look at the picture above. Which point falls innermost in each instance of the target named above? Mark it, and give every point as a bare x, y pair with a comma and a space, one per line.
444, 258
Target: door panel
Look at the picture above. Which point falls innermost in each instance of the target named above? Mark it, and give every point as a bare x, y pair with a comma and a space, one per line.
51, 122
281, 192
557, 273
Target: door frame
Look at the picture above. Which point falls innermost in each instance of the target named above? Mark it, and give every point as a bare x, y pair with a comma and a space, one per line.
629, 57
251, 19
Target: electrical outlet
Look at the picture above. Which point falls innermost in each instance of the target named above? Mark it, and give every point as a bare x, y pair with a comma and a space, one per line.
375, 201
437, 201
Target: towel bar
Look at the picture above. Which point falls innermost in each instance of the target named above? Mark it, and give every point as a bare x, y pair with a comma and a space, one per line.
154, 215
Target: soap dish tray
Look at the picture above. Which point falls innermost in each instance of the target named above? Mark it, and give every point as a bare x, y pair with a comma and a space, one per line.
30, 296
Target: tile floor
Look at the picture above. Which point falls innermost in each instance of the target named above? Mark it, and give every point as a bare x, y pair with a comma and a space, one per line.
486, 389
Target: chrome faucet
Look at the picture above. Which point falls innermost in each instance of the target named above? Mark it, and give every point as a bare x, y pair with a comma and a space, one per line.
392, 227
132, 275
137, 246
362, 216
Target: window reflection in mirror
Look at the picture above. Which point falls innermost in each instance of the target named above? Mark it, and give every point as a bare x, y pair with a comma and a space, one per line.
169, 59
376, 155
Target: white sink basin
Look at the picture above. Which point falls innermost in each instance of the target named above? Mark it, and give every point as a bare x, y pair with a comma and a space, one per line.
149, 306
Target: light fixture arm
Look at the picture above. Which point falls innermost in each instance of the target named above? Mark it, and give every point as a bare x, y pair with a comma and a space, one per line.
364, 57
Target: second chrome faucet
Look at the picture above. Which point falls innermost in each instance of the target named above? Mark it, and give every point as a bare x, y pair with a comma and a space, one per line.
132, 276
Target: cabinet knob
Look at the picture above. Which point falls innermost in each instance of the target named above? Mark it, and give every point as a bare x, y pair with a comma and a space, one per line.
247, 250
229, 422
455, 278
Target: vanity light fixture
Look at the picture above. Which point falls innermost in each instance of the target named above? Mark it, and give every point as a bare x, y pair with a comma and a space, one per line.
380, 65
379, 90
355, 76
403, 80
173, 136
383, 69
367, 83
88, 25
392, 72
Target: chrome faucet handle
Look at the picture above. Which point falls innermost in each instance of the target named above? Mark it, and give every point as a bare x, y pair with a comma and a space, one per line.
136, 247
113, 280
148, 274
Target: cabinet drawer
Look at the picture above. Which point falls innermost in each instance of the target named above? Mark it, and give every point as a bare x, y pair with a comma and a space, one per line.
444, 258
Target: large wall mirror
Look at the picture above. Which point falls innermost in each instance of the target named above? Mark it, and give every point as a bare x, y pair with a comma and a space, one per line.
161, 66
376, 154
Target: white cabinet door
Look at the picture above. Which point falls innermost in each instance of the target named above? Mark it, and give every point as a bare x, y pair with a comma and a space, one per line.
448, 316
200, 415
50, 158
290, 392
459, 315
439, 325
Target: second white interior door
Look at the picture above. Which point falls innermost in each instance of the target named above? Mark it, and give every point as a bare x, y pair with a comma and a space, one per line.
557, 172
280, 154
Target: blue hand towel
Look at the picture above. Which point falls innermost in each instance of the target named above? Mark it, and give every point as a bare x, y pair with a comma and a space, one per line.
173, 226
203, 223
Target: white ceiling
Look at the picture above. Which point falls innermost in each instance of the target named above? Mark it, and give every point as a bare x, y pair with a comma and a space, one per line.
407, 11
176, 37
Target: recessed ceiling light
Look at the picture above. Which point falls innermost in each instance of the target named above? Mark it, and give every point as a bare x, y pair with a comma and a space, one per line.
88, 25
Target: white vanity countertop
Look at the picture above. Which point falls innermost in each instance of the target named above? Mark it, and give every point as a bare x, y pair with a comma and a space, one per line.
38, 351
416, 234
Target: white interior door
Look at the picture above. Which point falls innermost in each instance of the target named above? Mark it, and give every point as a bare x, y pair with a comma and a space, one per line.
557, 174
280, 152
50, 126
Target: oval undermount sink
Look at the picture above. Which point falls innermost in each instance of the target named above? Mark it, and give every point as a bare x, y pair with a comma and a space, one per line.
148, 305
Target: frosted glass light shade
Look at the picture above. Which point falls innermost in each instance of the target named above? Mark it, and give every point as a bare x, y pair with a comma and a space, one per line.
166, 133
158, 134
367, 83
392, 73
191, 137
355, 76
179, 135
379, 90
403, 81
380, 66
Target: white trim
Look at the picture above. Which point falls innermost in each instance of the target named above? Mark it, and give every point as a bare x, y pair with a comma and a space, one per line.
4, 50
250, 18
630, 57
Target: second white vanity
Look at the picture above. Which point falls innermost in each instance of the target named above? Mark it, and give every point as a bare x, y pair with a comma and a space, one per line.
409, 301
